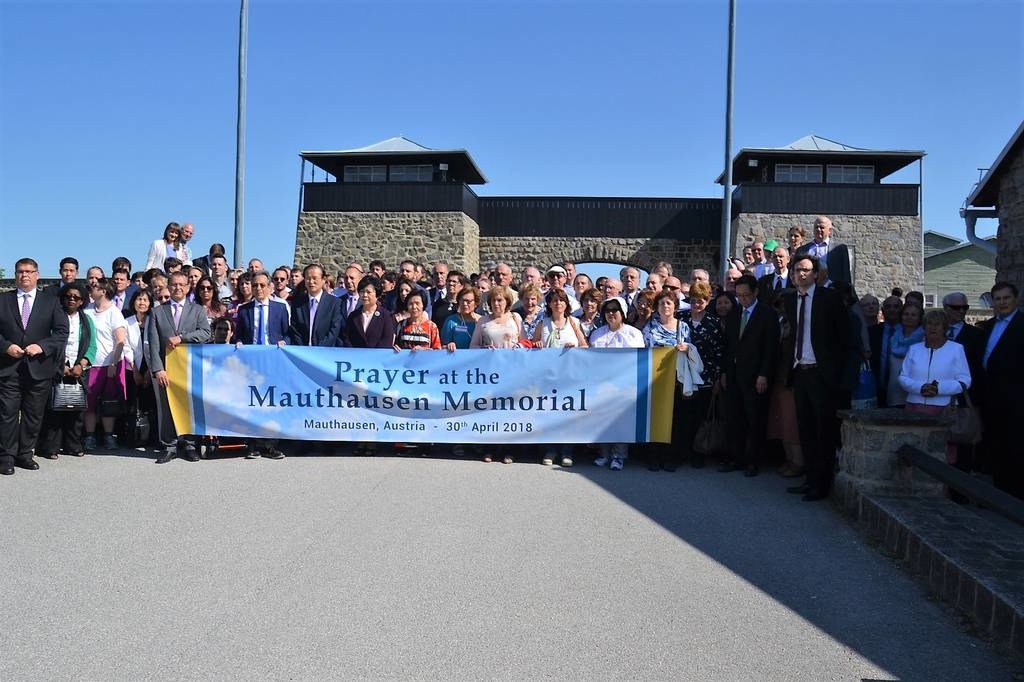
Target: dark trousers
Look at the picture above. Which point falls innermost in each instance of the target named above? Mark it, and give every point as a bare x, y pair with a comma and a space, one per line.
21, 394
1005, 452
62, 431
748, 421
818, 425
690, 416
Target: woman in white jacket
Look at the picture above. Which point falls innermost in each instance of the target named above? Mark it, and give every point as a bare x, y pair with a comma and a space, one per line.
165, 247
935, 371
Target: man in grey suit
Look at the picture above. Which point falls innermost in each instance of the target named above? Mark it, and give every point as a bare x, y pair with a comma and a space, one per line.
175, 322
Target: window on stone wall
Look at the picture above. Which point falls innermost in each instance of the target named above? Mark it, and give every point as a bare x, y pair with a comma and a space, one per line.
423, 173
864, 175
366, 174
797, 172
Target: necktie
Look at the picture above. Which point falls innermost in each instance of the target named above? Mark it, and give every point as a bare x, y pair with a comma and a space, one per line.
950, 335
778, 283
800, 328
176, 310
117, 302
259, 324
743, 320
26, 309
312, 317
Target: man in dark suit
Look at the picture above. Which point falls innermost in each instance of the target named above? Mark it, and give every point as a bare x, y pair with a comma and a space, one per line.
68, 274
751, 344
33, 333
169, 325
778, 280
204, 262
316, 316
1003, 401
836, 256
262, 322
817, 352
347, 294
880, 338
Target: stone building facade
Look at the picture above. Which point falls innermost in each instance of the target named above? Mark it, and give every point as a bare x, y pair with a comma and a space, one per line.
886, 250
335, 239
398, 199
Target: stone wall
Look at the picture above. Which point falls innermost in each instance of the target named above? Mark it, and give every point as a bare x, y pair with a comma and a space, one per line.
336, 239
645, 253
1010, 238
886, 250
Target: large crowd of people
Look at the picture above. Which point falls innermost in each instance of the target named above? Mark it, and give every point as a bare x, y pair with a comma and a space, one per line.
776, 350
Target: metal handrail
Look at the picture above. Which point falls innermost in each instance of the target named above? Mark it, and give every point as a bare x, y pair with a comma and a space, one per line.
992, 498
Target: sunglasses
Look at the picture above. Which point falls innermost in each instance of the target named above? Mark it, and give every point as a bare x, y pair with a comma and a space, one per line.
204, 288
72, 298
280, 279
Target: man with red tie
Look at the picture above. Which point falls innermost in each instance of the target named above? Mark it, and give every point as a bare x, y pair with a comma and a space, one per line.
33, 332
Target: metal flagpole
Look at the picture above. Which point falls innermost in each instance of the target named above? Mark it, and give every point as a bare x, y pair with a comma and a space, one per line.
243, 39
727, 182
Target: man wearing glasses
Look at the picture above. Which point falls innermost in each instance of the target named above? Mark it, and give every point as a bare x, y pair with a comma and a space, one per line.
33, 331
167, 327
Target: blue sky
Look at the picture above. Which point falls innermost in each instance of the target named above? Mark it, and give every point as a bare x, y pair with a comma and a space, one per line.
117, 117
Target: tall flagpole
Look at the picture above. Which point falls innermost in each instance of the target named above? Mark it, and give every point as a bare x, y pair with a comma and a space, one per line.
727, 183
243, 39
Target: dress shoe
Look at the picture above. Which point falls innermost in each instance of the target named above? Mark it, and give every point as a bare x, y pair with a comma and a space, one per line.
670, 467
751, 470
801, 489
794, 472
697, 462
52, 455
31, 465
814, 496
7, 471
190, 456
166, 457
727, 467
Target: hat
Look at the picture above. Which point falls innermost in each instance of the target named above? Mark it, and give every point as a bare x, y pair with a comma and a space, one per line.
557, 270
623, 307
771, 245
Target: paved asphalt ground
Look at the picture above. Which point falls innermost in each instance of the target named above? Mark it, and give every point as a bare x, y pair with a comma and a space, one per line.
410, 568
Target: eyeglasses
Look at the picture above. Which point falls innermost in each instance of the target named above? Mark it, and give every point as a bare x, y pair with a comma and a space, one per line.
670, 287
204, 288
961, 308
280, 279
25, 272
72, 298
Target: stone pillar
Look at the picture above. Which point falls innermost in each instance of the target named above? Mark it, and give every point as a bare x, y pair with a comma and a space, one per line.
868, 463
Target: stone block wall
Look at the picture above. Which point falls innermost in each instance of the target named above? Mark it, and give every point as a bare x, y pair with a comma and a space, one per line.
645, 253
1010, 238
887, 250
335, 239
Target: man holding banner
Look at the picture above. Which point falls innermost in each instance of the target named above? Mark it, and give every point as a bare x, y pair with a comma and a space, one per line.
169, 325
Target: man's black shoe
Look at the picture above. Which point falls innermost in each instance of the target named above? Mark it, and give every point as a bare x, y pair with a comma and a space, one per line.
31, 465
7, 471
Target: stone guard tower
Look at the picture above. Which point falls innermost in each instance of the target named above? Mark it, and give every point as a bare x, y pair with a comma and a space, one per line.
390, 200
778, 187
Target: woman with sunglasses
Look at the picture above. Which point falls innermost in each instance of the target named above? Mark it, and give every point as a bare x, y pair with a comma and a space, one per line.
615, 334
206, 296
165, 247
62, 431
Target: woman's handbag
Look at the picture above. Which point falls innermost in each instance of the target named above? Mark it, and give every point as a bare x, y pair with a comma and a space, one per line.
68, 396
136, 427
966, 426
711, 434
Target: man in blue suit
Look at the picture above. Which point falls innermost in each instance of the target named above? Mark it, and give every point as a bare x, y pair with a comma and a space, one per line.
262, 322
316, 316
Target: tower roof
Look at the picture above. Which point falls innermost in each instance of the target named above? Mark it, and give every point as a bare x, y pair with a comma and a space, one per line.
397, 150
